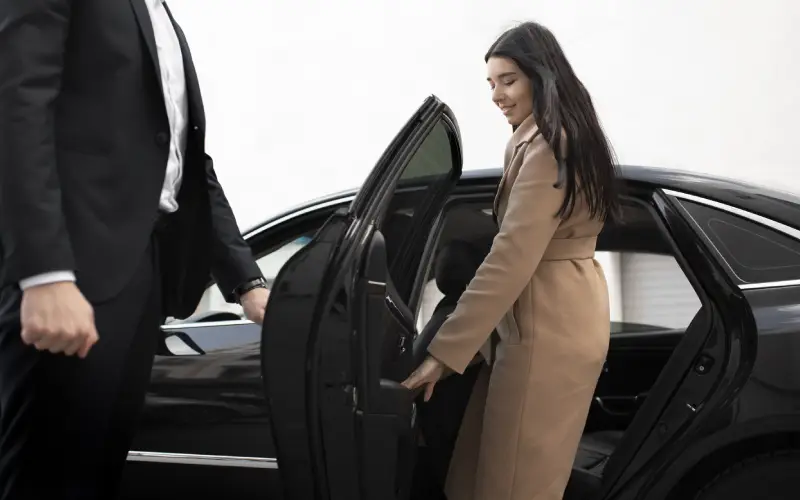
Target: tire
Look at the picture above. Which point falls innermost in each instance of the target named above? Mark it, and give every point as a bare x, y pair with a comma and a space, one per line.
770, 476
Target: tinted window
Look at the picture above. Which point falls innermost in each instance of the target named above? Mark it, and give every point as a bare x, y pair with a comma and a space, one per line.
433, 159
648, 290
752, 252
407, 223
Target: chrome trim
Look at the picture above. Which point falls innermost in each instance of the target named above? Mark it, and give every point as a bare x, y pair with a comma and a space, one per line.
183, 326
297, 213
213, 460
760, 219
744, 214
771, 284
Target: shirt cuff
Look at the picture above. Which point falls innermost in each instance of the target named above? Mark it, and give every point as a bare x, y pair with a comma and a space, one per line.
46, 279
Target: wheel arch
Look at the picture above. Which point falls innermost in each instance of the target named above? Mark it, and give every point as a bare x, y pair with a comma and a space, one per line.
706, 459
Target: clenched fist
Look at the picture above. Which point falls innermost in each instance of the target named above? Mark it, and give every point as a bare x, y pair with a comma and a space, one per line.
57, 318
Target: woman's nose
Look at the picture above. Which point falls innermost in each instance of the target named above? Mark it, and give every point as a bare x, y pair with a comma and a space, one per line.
497, 96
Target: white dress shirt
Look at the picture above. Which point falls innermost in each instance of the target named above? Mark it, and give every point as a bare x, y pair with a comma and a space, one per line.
173, 82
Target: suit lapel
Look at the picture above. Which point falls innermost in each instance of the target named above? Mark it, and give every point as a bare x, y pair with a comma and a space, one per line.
196, 111
146, 27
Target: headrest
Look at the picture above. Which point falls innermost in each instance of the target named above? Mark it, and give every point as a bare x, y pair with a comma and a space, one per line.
455, 266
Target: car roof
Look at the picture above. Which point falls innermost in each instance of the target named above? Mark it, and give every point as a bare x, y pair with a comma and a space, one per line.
778, 205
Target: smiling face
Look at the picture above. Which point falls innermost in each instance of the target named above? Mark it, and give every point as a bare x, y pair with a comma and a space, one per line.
512, 91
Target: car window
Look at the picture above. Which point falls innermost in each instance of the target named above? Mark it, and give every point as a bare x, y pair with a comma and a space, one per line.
648, 292
406, 224
752, 252
269, 263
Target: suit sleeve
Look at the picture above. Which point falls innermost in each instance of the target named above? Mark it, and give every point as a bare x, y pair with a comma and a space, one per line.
528, 226
232, 261
32, 226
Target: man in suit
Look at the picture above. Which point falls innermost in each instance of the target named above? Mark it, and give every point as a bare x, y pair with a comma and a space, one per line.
111, 219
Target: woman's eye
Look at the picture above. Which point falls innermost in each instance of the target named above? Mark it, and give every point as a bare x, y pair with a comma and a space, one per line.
508, 83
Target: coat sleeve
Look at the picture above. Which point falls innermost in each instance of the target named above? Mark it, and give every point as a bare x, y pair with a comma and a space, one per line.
33, 229
232, 262
529, 224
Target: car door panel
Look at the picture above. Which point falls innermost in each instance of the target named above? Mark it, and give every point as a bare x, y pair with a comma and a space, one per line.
205, 393
342, 422
688, 386
633, 364
204, 424
384, 406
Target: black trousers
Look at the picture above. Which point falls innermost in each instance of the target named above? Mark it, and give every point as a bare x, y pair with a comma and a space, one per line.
66, 424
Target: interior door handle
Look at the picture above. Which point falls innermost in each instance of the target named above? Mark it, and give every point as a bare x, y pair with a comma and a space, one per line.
395, 398
618, 406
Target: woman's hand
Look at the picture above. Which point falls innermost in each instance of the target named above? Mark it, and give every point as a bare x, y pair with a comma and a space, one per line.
428, 373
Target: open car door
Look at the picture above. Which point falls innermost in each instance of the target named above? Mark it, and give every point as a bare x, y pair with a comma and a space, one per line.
337, 336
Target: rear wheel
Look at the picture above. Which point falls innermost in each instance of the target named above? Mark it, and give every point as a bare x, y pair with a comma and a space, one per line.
770, 476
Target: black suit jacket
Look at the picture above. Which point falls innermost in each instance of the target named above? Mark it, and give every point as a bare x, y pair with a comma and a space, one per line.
84, 139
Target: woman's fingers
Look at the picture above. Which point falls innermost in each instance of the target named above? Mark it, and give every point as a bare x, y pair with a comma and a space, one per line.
417, 378
413, 381
429, 390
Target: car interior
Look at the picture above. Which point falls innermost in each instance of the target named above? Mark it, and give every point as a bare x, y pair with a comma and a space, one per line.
637, 355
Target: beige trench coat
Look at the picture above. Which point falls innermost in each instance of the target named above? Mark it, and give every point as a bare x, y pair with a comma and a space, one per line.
546, 295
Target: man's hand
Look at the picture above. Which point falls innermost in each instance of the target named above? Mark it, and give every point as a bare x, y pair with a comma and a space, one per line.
254, 304
57, 318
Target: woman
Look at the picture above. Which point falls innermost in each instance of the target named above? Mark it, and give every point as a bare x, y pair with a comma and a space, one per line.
539, 285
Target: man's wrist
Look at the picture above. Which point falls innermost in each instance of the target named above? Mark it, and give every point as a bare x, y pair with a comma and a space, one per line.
46, 279
248, 286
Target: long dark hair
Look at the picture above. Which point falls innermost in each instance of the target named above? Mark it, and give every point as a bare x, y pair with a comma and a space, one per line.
561, 102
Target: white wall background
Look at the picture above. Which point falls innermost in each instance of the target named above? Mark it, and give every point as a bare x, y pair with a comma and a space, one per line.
303, 95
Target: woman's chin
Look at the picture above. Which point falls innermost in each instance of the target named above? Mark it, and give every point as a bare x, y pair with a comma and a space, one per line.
512, 120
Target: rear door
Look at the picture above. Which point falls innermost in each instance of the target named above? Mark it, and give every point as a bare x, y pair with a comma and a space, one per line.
337, 336
706, 367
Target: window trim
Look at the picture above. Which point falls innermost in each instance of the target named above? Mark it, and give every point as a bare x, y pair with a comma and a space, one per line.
297, 213
195, 459
195, 324
752, 217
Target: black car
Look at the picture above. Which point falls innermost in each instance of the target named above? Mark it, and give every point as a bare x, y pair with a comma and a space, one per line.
700, 396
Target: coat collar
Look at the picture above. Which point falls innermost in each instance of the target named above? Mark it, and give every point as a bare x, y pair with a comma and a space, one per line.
524, 134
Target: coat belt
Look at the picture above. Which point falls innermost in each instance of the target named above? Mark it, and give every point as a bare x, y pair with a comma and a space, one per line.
570, 248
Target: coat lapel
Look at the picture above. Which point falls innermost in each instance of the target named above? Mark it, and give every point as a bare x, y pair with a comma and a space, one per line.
146, 27
522, 135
